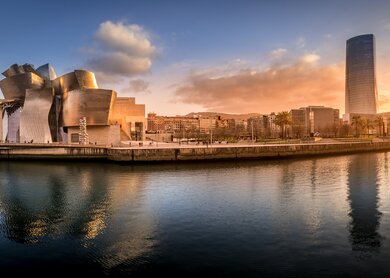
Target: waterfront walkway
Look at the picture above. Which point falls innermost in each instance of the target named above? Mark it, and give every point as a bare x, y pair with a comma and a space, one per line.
145, 152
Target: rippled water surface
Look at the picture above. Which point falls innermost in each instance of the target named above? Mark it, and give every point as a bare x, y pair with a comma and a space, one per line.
309, 217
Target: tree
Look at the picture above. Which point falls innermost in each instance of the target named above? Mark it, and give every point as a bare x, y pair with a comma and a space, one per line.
380, 124
335, 129
283, 119
357, 122
298, 130
345, 130
367, 125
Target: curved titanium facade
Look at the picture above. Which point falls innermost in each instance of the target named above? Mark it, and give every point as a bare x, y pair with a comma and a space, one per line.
43, 108
13, 114
360, 79
18, 69
94, 104
34, 118
47, 71
74, 80
15, 86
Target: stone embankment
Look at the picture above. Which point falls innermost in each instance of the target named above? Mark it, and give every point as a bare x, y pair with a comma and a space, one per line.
51, 151
183, 153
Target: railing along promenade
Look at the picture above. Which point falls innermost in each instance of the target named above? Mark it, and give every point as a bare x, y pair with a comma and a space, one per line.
149, 152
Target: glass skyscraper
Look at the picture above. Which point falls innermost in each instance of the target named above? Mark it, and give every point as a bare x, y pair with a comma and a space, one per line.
360, 78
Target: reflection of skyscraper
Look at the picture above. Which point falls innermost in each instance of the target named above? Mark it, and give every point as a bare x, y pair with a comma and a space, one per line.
363, 198
360, 79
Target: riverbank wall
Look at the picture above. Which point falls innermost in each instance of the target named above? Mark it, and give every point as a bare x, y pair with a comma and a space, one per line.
51, 151
243, 152
182, 153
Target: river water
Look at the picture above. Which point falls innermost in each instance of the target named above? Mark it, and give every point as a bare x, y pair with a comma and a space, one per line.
316, 217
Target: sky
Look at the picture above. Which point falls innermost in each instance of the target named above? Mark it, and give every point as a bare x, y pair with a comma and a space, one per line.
178, 57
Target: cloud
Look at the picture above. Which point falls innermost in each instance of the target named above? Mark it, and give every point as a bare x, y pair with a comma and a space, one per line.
311, 58
278, 53
384, 101
280, 57
120, 64
277, 88
384, 98
130, 39
301, 42
138, 86
120, 50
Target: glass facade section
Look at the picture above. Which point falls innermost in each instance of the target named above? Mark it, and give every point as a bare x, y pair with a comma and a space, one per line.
360, 84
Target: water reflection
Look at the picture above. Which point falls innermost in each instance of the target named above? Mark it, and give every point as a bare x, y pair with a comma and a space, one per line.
45, 200
363, 198
35, 203
27, 219
277, 217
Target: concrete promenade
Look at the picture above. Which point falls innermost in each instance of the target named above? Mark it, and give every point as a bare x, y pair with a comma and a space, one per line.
176, 152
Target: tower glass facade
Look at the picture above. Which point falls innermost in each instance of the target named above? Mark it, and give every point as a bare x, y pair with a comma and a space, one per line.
360, 84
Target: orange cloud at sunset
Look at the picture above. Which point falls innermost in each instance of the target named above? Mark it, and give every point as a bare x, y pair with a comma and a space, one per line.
383, 88
278, 88
384, 101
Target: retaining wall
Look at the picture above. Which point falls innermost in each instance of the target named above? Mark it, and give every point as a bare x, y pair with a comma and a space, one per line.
42, 151
147, 154
241, 152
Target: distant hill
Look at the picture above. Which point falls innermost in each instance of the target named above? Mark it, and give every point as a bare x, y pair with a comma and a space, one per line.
224, 115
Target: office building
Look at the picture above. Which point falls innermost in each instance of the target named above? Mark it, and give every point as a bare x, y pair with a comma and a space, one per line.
314, 120
360, 79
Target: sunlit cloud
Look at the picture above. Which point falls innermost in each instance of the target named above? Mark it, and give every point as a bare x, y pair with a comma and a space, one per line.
300, 83
120, 50
311, 58
383, 77
384, 96
131, 39
137, 86
384, 101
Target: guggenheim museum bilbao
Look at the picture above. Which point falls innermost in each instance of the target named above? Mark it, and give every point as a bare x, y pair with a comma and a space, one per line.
40, 107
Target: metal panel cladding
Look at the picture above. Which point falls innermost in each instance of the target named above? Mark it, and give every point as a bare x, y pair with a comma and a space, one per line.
14, 87
74, 80
13, 114
94, 104
34, 118
360, 79
47, 71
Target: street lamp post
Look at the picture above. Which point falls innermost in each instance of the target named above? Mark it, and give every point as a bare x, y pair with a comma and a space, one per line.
252, 130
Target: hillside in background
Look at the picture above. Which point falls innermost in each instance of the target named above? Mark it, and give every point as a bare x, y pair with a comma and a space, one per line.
224, 115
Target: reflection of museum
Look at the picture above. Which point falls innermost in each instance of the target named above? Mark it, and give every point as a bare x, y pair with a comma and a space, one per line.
40, 107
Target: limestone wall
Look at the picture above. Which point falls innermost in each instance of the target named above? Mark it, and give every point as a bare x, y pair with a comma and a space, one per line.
240, 152
99, 135
37, 151
150, 153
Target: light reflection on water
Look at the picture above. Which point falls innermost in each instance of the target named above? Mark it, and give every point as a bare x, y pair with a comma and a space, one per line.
322, 216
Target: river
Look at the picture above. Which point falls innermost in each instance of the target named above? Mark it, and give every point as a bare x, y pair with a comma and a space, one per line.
314, 217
